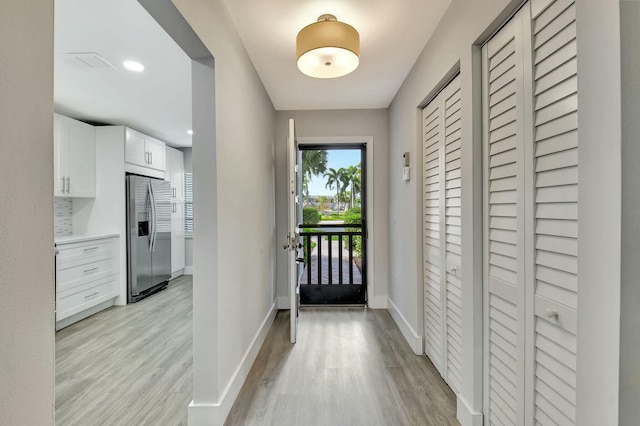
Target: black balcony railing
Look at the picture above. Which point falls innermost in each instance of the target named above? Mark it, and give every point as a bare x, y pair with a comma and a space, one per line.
329, 251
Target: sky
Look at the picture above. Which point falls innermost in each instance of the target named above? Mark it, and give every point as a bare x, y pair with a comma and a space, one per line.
335, 159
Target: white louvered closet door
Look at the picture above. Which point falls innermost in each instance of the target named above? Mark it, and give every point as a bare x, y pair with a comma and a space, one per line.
504, 248
452, 196
432, 238
531, 280
442, 233
554, 322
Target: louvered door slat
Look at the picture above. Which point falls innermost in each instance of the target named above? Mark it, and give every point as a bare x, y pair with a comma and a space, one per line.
556, 212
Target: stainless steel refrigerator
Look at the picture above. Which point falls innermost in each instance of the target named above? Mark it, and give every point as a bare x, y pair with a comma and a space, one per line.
148, 235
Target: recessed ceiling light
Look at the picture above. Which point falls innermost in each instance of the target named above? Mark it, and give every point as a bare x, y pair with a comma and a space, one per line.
190, 132
133, 66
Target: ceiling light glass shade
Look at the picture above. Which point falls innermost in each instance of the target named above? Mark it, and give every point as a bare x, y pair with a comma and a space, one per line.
328, 48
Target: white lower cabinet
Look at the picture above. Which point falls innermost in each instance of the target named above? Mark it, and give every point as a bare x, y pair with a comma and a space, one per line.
87, 273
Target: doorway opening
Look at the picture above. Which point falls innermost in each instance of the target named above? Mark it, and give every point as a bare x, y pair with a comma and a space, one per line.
333, 228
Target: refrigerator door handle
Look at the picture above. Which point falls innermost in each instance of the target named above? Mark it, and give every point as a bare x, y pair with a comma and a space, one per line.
151, 216
154, 218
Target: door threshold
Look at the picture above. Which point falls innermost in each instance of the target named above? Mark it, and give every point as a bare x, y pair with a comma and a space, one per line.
337, 305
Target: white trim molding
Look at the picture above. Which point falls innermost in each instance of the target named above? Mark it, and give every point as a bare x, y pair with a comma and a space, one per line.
412, 338
215, 414
465, 415
188, 270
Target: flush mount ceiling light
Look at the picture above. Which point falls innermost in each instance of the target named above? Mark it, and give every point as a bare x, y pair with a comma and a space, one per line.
133, 66
328, 48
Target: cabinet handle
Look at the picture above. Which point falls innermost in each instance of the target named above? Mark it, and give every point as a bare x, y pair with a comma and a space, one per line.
151, 157
68, 184
91, 248
92, 294
86, 271
63, 186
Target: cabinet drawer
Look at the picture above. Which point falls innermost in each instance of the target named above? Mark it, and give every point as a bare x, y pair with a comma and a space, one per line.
70, 278
71, 302
76, 254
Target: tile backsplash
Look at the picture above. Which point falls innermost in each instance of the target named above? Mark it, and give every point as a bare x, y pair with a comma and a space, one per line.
62, 216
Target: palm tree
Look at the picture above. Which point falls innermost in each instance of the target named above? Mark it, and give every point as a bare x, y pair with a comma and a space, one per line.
356, 174
345, 179
351, 177
334, 178
314, 162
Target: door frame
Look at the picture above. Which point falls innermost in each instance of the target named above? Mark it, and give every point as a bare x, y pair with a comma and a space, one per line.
367, 141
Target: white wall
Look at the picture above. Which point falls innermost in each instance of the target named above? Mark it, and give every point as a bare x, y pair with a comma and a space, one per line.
336, 123
27, 322
106, 214
235, 213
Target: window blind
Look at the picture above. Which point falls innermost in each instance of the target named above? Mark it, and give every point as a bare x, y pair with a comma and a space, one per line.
188, 202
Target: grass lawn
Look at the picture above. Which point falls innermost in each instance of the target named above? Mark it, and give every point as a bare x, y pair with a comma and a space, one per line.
334, 216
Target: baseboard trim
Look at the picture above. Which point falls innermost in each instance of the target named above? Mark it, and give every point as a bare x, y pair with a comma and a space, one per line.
466, 416
378, 302
188, 270
203, 414
207, 414
283, 302
412, 338
84, 314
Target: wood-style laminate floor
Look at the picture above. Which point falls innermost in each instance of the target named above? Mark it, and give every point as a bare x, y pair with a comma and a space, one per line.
351, 366
132, 365
128, 365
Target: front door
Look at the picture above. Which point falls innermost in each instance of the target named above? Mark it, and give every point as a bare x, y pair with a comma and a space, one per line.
334, 227
294, 244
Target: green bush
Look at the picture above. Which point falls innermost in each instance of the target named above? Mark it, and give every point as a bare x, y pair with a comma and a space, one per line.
354, 211
310, 216
357, 241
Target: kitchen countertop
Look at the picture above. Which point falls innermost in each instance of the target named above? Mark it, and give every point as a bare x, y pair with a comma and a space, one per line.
67, 239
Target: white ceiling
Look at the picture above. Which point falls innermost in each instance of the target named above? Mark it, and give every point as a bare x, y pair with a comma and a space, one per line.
392, 35
158, 101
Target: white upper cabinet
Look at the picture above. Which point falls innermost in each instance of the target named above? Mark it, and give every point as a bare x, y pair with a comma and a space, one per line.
74, 145
144, 151
175, 172
135, 151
